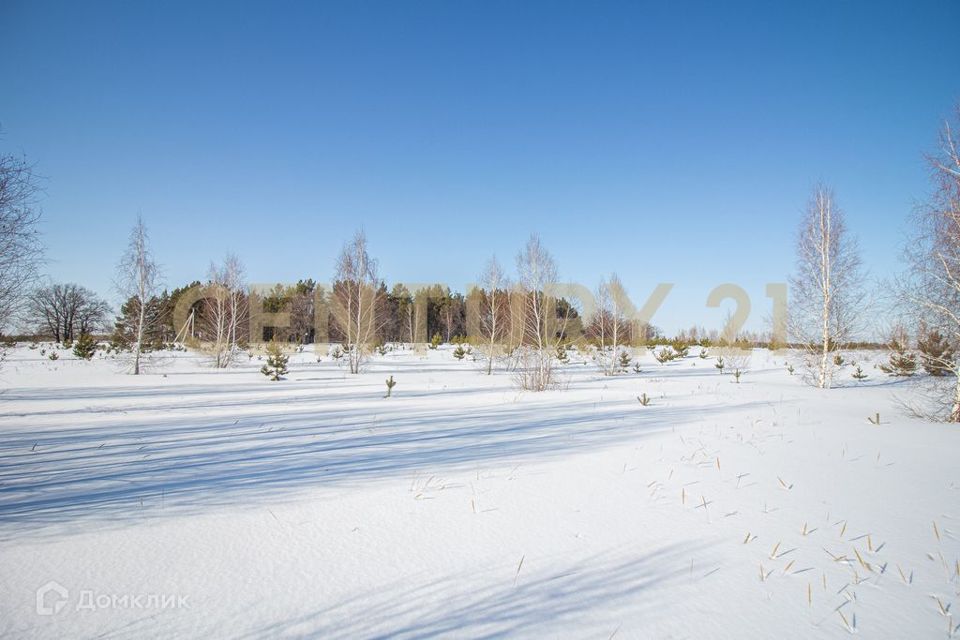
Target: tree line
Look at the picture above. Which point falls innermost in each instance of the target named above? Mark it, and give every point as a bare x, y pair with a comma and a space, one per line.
511, 314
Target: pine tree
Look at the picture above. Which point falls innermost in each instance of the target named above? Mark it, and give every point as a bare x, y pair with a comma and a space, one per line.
85, 346
562, 353
624, 360
720, 364
276, 366
459, 352
902, 362
859, 374
665, 355
936, 353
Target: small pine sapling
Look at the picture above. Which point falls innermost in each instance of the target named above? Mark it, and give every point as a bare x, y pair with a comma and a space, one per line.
902, 363
636, 368
838, 360
665, 355
859, 374
624, 360
790, 368
643, 399
53, 355
936, 353
459, 353
85, 346
703, 354
435, 341
276, 366
391, 383
720, 364
562, 355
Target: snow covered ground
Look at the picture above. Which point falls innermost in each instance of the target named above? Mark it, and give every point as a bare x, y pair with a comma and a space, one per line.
200, 503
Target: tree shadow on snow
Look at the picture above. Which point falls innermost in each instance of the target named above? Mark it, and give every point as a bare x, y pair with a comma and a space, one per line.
128, 465
542, 602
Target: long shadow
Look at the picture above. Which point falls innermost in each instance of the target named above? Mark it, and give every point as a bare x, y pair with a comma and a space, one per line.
135, 465
491, 605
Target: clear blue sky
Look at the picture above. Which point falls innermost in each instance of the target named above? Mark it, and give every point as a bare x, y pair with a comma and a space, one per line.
669, 142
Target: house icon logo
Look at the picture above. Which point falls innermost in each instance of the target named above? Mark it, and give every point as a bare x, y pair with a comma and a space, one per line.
51, 598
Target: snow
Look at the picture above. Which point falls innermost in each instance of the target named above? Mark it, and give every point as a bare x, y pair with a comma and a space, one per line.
464, 507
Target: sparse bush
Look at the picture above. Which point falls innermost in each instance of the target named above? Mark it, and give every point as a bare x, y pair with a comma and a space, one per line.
838, 360
739, 363
534, 370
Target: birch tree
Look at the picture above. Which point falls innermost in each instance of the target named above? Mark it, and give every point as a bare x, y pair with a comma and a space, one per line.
932, 287
537, 275
357, 299
610, 323
225, 309
826, 289
138, 279
494, 307
20, 248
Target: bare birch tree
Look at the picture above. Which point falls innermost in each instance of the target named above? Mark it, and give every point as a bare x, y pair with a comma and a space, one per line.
225, 309
932, 286
611, 323
357, 299
138, 279
494, 307
537, 275
826, 289
20, 249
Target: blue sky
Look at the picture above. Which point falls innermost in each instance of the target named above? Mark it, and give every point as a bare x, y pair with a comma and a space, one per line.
668, 142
